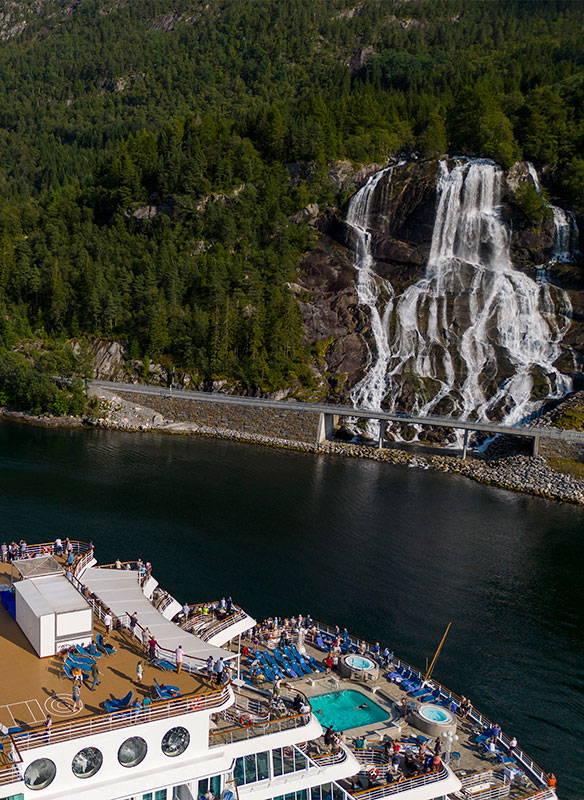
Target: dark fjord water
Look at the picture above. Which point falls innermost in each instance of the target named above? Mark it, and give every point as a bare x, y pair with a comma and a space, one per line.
394, 554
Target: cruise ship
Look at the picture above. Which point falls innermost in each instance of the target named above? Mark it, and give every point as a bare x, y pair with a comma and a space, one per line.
113, 689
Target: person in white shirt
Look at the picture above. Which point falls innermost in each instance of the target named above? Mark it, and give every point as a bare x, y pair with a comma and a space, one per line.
178, 655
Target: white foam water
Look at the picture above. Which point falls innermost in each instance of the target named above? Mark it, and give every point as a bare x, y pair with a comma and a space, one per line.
474, 337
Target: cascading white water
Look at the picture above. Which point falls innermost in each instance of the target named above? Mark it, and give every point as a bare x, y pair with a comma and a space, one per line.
566, 233
373, 292
474, 337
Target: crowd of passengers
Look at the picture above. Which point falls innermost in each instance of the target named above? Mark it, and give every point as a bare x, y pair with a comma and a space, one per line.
21, 550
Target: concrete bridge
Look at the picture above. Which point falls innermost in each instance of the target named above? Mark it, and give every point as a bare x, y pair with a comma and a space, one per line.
329, 415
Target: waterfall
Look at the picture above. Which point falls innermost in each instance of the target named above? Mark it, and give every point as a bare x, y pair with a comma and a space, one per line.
373, 292
566, 233
475, 337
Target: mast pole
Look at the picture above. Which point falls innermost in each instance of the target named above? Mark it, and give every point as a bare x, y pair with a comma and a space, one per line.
437, 653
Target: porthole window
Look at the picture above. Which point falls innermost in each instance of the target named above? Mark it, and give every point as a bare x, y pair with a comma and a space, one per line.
40, 773
132, 751
175, 742
87, 762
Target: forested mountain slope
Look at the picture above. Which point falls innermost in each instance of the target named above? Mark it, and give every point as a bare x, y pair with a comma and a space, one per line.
154, 154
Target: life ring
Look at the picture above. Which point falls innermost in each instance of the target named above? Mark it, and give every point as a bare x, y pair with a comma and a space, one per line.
288, 752
196, 705
374, 773
245, 720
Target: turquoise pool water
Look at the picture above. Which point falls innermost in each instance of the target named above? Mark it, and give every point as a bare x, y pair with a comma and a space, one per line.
358, 662
342, 711
434, 714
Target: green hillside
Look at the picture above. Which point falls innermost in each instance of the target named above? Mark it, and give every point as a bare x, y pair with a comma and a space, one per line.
153, 151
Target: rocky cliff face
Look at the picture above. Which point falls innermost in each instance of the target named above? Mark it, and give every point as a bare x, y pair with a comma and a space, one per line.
401, 224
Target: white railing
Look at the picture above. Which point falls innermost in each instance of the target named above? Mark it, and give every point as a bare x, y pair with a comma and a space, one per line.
371, 755
402, 786
82, 563
222, 625
328, 759
77, 729
10, 774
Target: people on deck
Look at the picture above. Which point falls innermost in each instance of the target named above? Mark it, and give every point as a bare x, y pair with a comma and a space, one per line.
146, 638
94, 673
108, 621
178, 657
152, 645
218, 668
495, 731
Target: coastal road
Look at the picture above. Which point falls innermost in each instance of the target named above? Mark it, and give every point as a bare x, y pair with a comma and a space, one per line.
430, 420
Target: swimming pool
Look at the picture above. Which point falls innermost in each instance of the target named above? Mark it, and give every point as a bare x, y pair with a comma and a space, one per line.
435, 714
342, 710
359, 662
358, 666
433, 719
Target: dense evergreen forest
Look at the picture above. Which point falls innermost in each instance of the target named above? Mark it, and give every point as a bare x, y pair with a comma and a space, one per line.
152, 153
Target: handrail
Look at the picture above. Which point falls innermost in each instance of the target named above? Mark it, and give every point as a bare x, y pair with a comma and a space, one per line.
519, 754
297, 720
65, 731
403, 785
9, 773
370, 755
338, 756
222, 624
259, 729
490, 792
82, 561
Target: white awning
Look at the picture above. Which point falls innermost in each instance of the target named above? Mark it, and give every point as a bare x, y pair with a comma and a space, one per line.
119, 590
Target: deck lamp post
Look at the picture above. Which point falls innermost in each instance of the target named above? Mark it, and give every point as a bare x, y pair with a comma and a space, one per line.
450, 737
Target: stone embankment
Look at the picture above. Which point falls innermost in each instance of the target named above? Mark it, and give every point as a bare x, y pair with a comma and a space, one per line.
516, 472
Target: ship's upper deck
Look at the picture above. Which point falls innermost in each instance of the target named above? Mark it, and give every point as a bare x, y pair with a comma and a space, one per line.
32, 688
498, 774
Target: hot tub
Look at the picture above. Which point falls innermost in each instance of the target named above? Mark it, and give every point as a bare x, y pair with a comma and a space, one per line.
357, 666
433, 720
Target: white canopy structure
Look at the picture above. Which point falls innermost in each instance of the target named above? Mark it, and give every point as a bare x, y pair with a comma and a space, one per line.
52, 614
120, 591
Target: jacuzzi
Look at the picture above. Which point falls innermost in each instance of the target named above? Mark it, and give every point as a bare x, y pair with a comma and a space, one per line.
433, 720
357, 666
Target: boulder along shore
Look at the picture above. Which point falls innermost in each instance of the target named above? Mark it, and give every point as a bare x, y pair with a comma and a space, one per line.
517, 472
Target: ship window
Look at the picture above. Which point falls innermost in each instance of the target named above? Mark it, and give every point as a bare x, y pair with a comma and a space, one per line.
132, 751
212, 785
252, 768
286, 760
175, 742
40, 773
87, 762
159, 794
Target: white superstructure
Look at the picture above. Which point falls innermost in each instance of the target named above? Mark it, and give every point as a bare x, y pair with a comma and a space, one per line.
218, 738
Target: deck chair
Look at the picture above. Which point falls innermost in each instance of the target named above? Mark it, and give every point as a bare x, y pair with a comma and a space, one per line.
93, 653
162, 663
118, 704
68, 670
105, 648
168, 692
